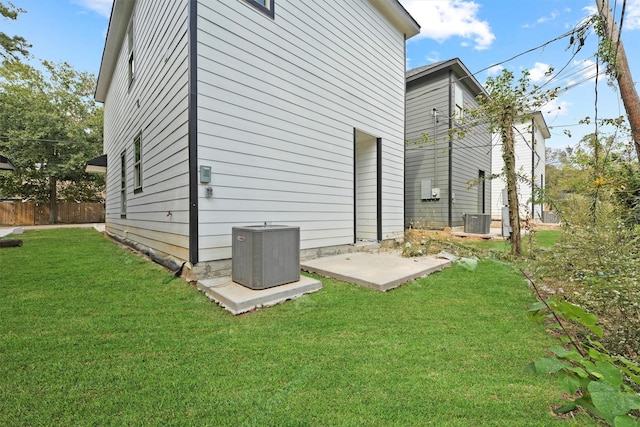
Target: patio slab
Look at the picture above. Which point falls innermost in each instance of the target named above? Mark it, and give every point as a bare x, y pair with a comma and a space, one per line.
380, 271
239, 299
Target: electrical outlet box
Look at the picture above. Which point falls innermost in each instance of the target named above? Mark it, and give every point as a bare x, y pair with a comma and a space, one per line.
435, 193
205, 174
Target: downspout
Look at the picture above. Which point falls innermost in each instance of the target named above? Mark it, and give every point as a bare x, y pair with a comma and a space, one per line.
533, 169
193, 133
450, 172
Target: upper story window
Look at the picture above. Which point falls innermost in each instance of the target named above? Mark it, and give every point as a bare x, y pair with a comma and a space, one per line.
137, 164
130, 52
265, 6
459, 99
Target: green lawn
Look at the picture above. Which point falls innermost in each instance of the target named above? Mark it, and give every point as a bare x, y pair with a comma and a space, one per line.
91, 334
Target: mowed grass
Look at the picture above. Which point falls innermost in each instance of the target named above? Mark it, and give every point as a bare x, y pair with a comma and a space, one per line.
91, 334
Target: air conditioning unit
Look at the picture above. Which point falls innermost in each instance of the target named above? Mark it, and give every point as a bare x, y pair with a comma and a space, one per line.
477, 223
550, 216
264, 256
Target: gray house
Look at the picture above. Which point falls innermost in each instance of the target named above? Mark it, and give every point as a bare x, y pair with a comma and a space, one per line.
444, 176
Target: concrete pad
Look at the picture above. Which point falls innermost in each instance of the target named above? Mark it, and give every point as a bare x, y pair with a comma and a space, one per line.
239, 299
379, 271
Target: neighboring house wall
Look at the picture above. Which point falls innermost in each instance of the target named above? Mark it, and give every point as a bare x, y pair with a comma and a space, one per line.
529, 148
296, 121
454, 171
153, 106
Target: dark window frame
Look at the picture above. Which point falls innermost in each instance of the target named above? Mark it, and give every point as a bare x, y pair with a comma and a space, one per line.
123, 184
131, 52
137, 164
265, 6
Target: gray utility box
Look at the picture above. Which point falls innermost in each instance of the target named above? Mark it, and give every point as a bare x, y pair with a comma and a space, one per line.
264, 256
477, 223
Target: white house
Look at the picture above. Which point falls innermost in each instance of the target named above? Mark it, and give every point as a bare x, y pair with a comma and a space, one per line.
224, 113
530, 135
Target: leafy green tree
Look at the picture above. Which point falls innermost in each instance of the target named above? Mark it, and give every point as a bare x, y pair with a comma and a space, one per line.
50, 126
509, 102
10, 47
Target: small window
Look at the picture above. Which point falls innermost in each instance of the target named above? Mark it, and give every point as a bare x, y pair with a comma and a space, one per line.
137, 164
265, 6
123, 185
130, 43
459, 97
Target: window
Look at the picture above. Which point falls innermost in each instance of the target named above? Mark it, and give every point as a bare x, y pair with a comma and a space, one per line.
132, 68
459, 97
137, 164
265, 6
123, 185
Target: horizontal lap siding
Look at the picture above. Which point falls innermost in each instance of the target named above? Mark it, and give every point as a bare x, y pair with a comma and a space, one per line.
470, 155
278, 100
523, 155
422, 98
155, 106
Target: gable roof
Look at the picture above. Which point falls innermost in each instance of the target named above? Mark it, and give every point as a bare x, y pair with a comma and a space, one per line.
454, 64
541, 123
118, 22
398, 16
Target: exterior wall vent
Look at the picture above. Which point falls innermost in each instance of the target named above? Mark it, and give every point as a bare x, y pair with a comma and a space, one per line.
265, 256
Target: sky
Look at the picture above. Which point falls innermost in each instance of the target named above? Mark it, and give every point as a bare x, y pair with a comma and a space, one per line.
484, 34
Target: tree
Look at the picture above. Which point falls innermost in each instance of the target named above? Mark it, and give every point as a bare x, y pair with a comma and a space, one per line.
510, 101
611, 50
50, 126
11, 46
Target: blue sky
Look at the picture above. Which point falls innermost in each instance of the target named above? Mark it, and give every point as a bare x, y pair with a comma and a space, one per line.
481, 33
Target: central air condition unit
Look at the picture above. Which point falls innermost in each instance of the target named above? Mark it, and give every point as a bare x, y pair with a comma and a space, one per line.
477, 223
549, 216
265, 256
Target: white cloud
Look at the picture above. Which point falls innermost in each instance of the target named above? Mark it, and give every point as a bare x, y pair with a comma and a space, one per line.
555, 108
539, 73
443, 19
632, 16
433, 56
551, 17
101, 7
495, 70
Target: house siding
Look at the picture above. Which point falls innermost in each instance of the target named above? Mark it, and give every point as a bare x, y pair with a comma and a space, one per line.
155, 107
278, 102
422, 98
468, 156
525, 154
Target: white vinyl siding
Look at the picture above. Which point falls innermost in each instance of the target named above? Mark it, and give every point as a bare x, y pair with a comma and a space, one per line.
277, 104
155, 107
530, 163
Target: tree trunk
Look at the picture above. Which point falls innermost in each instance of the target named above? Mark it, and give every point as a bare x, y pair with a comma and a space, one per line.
628, 91
509, 158
53, 198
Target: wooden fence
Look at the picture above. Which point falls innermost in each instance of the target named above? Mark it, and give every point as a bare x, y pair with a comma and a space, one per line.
28, 213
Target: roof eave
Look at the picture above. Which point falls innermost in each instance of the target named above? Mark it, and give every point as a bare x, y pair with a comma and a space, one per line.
118, 22
398, 16
456, 65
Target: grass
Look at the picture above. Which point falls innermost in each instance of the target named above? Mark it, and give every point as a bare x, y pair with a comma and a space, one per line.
91, 334
541, 239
